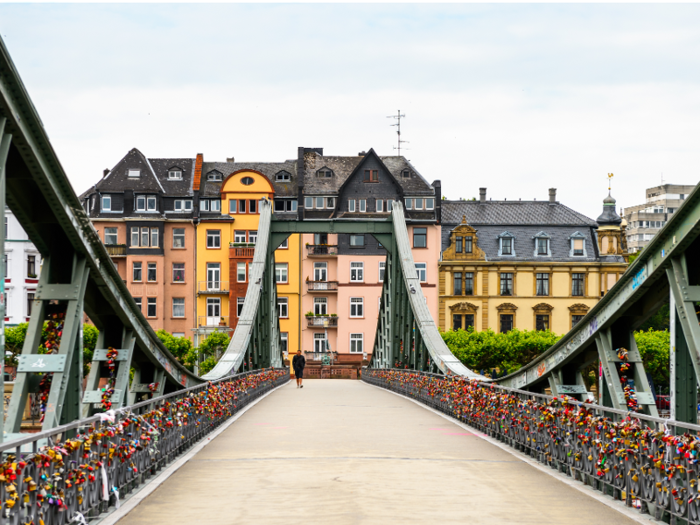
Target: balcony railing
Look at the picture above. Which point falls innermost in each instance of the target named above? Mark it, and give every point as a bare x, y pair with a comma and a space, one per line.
116, 250
319, 356
213, 322
322, 286
322, 321
212, 287
241, 249
322, 250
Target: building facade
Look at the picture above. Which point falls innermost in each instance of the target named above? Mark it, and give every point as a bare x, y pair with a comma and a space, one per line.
645, 220
22, 263
532, 265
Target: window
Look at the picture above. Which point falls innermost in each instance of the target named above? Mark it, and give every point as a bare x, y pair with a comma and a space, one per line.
380, 205
283, 205
309, 203
213, 238
151, 203
215, 205
214, 277
136, 274
462, 322
284, 245
382, 269
356, 343
357, 272
239, 236
178, 334
320, 343
363, 205
284, 346
178, 307
253, 208
30, 303
154, 237
575, 319
459, 245
144, 236
320, 306
389, 205
422, 271
174, 175
178, 272
356, 307
213, 311
106, 203
456, 322
253, 237
240, 301
324, 174
214, 176
429, 204
406, 174
578, 247
409, 204
151, 308
542, 284
110, 236
506, 284
247, 181
468, 283
577, 284
420, 237
319, 203
371, 175
357, 240
232, 206
351, 205
240, 272
542, 322
283, 176
140, 203
506, 244
178, 237
134, 173
151, 274
457, 284
281, 273
31, 266
241, 206
186, 205
320, 271
542, 246
137, 300
418, 204
283, 307
468, 244
506, 323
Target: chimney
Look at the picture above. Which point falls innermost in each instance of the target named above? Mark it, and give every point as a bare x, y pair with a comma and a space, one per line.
438, 200
482, 195
105, 173
231, 159
362, 154
552, 195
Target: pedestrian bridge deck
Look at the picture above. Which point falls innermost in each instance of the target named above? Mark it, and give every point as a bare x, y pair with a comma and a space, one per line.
345, 452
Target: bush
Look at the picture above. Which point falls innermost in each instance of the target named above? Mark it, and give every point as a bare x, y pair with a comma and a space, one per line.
180, 347
654, 347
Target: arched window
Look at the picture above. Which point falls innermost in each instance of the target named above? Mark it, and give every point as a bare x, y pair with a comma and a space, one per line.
247, 181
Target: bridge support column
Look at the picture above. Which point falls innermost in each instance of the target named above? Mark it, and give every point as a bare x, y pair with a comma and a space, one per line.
5, 139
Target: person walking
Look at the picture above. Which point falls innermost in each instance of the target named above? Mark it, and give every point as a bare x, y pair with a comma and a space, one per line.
298, 364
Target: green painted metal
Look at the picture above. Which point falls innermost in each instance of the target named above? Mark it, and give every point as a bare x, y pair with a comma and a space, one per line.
5, 140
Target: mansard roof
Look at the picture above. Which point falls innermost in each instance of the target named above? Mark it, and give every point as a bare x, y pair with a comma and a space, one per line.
522, 213
269, 169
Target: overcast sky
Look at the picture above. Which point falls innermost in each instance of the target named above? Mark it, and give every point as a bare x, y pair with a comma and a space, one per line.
517, 98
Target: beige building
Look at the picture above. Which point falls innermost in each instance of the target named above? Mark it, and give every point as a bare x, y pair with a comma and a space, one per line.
645, 220
531, 265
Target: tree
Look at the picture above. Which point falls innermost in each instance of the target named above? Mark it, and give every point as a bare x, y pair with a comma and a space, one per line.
180, 347
654, 347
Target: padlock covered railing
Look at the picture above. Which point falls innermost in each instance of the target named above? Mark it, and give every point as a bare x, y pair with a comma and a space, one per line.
648, 463
88, 465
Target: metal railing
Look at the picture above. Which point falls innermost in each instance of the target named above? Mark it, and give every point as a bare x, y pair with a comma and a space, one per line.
322, 286
325, 321
649, 463
323, 250
213, 322
212, 287
116, 250
138, 442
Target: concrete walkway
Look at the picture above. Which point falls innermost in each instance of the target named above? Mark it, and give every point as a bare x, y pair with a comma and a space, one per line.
343, 452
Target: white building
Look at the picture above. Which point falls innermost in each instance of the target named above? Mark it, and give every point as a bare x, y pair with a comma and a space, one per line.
23, 262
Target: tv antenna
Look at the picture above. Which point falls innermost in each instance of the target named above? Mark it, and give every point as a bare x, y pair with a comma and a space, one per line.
398, 118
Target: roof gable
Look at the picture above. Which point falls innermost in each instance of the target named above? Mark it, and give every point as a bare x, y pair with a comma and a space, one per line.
371, 155
118, 178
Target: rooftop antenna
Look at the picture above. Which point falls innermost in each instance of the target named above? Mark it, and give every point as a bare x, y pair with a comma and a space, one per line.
398, 118
610, 176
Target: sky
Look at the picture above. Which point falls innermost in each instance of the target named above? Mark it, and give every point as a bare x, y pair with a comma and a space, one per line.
514, 98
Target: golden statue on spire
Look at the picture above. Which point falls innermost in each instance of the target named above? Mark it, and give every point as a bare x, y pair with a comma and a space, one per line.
610, 176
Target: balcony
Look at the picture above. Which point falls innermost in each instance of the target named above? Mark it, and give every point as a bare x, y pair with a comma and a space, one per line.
322, 286
213, 322
212, 288
322, 250
238, 249
116, 250
322, 321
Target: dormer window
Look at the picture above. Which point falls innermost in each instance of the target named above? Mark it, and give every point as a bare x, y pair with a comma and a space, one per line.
283, 176
406, 174
247, 181
371, 175
324, 173
214, 176
175, 174
542, 248
506, 244
578, 245
106, 203
134, 173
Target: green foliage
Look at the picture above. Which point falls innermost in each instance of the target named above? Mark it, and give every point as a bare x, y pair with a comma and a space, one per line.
488, 350
90, 333
207, 365
659, 321
180, 347
217, 341
654, 347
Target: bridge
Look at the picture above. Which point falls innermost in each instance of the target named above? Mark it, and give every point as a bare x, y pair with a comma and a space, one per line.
101, 447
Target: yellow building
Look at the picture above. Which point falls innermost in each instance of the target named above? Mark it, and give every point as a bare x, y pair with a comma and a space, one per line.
525, 264
229, 203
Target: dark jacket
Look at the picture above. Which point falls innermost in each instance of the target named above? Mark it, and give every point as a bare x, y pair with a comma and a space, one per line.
298, 363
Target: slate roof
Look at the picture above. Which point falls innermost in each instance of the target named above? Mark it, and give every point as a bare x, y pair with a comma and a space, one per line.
522, 213
269, 169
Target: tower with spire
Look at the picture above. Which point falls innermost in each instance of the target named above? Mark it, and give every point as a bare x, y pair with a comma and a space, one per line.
611, 230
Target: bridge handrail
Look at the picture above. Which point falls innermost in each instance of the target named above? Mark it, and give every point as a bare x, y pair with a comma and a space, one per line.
649, 266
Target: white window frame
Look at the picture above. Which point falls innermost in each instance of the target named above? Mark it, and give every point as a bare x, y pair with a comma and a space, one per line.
154, 237
429, 203
357, 307
320, 203
418, 203
214, 234
135, 231
240, 301
382, 271
179, 305
112, 235
308, 203
281, 273
140, 199
215, 205
178, 235
238, 272
174, 175
330, 203
321, 306
422, 271
214, 176
380, 205
357, 273
354, 340
320, 270
252, 236
151, 301
238, 235
233, 206
108, 199
351, 205
133, 271
134, 173
283, 307
151, 266
151, 203
409, 204
363, 206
